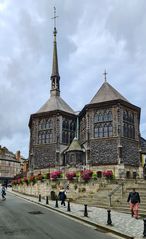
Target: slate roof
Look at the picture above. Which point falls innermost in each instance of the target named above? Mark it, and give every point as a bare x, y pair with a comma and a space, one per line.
75, 146
107, 93
56, 103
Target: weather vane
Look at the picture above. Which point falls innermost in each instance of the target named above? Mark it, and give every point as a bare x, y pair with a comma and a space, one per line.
105, 74
54, 17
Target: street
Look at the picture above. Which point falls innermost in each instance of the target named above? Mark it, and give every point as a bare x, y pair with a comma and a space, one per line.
21, 219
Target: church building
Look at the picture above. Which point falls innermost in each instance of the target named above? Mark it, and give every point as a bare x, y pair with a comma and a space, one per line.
105, 134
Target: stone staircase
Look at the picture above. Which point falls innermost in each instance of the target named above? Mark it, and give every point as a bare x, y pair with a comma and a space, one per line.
119, 198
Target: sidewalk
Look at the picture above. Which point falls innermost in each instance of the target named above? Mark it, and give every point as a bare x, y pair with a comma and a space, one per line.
122, 224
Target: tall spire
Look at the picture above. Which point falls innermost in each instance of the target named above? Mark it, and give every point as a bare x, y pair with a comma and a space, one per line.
55, 78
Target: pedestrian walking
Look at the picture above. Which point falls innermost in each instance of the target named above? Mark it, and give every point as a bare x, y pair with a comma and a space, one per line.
62, 196
3, 192
134, 200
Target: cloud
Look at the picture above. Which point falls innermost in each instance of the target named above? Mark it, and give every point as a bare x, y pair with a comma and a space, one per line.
91, 37
3, 5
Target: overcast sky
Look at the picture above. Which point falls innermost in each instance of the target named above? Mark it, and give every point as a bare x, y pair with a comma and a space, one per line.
92, 36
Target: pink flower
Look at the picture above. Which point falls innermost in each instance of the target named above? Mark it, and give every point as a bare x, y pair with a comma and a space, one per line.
56, 174
86, 174
70, 175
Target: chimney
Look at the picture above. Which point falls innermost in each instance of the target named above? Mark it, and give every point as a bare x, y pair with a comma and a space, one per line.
18, 156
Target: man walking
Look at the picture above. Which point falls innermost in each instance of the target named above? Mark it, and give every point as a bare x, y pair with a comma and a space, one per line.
134, 200
62, 196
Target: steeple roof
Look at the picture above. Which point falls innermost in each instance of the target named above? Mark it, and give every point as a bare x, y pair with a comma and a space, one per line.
107, 93
55, 69
56, 103
75, 146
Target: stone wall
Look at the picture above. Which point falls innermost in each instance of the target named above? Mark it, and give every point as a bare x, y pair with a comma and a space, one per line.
130, 153
74, 189
103, 151
44, 155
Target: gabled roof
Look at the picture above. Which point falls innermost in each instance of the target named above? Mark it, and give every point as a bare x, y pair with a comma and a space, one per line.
75, 146
56, 103
107, 93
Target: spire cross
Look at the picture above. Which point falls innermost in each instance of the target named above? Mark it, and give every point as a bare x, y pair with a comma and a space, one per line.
54, 17
105, 74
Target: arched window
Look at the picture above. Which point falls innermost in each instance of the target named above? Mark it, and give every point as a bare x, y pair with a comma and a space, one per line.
47, 137
40, 138
128, 127
67, 124
66, 137
72, 126
100, 131
110, 130
105, 131
43, 137
132, 117
63, 137
71, 136
49, 124
42, 124
50, 137
63, 124
96, 117
133, 133
125, 115
109, 116
96, 132
100, 117
125, 130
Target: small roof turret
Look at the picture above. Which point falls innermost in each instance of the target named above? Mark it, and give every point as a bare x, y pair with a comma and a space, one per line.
75, 146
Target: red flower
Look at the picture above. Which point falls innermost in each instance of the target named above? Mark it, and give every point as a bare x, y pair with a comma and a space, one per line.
108, 174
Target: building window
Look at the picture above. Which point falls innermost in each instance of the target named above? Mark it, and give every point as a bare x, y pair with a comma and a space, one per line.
128, 124
103, 124
68, 130
45, 137
49, 124
110, 130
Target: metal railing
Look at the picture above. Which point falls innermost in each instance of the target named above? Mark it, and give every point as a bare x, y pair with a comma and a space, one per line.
121, 185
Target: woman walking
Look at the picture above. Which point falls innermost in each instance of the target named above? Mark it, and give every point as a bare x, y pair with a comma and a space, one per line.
134, 200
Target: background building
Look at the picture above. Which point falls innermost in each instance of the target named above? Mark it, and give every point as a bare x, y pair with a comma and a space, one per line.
10, 164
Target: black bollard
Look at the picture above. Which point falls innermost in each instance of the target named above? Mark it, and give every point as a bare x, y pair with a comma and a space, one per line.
56, 205
68, 206
109, 221
39, 197
85, 211
47, 200
144, 231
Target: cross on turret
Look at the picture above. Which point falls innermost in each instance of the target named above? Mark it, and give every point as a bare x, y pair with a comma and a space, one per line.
105, 74
54, 18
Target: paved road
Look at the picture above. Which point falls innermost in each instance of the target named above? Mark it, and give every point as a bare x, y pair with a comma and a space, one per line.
20, 219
